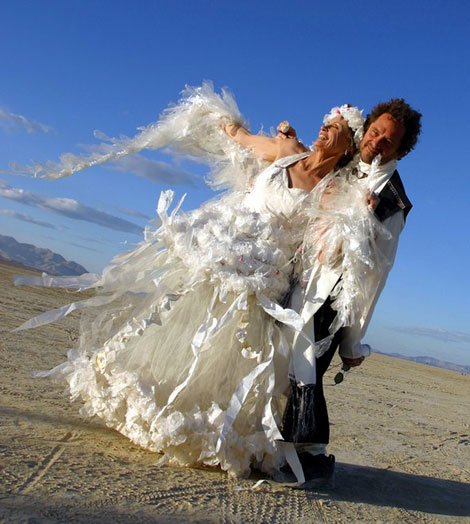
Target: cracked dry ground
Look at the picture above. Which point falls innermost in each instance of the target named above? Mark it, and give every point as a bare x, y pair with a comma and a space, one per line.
400, 433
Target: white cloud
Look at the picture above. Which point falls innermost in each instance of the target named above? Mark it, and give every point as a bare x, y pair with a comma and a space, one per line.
435, 333
19, 122
81, 246
69, 208
75, 244
131, 212
154, 170
27, 218
97, 240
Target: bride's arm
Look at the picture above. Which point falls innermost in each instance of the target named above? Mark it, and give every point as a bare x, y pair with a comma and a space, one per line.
262, 146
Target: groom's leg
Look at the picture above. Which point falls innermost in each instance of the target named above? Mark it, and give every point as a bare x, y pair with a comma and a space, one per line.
305, 418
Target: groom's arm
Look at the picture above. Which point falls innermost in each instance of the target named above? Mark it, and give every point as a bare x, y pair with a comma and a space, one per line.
351, 350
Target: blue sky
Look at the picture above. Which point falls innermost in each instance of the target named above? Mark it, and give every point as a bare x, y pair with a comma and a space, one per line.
72, 67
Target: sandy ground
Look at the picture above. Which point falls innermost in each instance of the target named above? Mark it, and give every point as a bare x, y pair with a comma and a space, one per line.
400, 433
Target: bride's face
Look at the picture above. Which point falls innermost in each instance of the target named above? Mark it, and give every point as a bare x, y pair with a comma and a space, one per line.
334, 137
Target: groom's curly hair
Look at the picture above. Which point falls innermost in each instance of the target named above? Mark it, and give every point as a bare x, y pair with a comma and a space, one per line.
403, 113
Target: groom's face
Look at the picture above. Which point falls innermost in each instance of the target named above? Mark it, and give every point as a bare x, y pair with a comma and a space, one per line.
383, 136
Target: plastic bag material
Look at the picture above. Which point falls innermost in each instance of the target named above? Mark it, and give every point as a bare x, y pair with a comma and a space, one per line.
343, 236
192, 128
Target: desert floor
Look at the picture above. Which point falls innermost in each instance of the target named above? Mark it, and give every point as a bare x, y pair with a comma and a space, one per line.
400, 434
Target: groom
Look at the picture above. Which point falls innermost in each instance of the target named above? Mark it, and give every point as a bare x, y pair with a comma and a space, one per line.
390, 130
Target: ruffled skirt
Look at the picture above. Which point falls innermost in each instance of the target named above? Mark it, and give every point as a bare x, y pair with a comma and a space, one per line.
187, 359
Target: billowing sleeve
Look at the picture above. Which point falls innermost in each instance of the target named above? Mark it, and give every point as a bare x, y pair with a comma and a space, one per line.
386, 247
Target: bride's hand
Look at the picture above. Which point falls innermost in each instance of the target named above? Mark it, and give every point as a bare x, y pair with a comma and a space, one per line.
230, 128
284, 131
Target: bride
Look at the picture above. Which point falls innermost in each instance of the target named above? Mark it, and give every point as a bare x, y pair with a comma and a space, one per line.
185, 346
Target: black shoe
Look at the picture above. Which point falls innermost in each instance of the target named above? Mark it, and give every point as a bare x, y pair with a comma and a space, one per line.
319, 471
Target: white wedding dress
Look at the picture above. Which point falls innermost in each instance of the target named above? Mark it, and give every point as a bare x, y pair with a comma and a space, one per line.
189, 355
185, 348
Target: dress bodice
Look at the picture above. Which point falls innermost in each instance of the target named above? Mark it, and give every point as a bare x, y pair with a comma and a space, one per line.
270, 195
247, 243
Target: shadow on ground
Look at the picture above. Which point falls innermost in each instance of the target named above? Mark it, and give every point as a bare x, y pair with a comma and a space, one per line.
354, 484
35, 510
55, 420
383, 487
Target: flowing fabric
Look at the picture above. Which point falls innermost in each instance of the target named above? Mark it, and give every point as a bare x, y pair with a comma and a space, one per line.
192, 128
186, 346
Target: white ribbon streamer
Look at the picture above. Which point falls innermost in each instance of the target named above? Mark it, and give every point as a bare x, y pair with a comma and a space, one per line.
287, 316
56, 314
207, 330
84, 281
240, 395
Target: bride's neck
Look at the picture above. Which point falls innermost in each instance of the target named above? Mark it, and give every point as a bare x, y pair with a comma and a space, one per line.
321, 162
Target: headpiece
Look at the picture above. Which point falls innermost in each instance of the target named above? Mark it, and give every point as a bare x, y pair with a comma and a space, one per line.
353, 117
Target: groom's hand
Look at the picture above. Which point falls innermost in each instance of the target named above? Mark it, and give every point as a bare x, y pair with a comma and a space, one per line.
373, 201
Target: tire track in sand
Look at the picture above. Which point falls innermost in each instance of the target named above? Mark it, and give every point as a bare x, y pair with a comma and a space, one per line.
44, 466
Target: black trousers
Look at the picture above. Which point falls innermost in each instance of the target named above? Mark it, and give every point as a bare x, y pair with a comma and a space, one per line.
305, 418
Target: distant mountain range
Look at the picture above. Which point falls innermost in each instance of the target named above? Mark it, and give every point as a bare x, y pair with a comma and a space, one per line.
37, 258
430, 361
